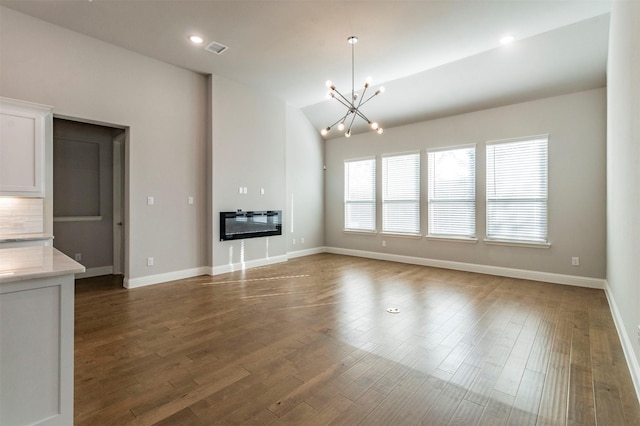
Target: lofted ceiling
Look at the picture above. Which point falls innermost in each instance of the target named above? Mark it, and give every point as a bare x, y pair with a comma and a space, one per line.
435, 58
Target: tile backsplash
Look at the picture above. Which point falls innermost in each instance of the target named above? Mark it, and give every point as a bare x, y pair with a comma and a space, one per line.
21, 215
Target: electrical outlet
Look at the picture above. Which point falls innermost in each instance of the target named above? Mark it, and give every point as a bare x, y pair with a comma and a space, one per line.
575, 261
189, 200
78, 257
150, 201
149, 261
384, 243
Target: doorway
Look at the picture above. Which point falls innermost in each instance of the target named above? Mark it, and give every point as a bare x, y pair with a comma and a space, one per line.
89, 183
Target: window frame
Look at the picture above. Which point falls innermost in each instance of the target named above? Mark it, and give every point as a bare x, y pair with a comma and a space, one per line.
452, 236
347, 201
416, 202
542, 243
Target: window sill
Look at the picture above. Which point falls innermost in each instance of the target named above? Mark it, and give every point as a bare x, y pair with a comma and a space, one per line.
472, 240
401, 235
359, 232
514, 243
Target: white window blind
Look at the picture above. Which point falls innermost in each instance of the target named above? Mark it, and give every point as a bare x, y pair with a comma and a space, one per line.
360, 195
517, 190
452, 192
401, 193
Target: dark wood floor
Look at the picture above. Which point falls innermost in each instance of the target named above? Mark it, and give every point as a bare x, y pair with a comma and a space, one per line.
310, 341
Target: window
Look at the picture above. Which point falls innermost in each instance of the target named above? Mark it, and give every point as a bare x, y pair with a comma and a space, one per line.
517, 190
401, 194
452, 192
360, 195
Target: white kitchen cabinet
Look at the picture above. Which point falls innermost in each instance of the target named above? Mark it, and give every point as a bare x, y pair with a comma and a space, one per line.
23, 133
36, 348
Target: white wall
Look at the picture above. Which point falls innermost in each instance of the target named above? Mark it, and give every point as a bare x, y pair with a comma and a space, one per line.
576, 127
248, 150
623, 176
164, 107
305, 185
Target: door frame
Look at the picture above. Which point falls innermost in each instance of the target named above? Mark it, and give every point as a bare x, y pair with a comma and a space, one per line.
123, 139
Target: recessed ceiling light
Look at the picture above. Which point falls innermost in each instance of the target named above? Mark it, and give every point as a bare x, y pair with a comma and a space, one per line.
196, 39
506, 39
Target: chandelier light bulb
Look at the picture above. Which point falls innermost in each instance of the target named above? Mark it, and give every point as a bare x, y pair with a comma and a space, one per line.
329, 84
375, 125
348, 133
381, 89
324, 131
379, 131
368, 80
341, 126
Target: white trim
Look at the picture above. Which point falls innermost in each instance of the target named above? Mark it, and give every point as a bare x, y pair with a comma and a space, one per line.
516, 243
519, 139
305, 252
95, 272
627, 345
223, 269
451, 238
360, 232
401, 235
452, 148
168, 276
481, 269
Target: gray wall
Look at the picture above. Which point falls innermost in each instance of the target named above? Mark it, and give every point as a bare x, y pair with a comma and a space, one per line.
248, 150
576, 127
164, 107
623, 173
92, 239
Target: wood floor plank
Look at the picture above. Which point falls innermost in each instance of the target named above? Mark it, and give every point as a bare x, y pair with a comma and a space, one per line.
309, 341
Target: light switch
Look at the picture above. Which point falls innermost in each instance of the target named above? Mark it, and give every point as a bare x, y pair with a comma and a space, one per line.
150, 201
262, 191
244, 190
189, 200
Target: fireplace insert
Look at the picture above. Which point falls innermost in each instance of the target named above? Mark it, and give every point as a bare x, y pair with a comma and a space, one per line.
240, 224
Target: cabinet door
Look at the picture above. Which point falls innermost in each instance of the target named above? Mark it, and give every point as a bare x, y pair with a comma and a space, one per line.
22, 139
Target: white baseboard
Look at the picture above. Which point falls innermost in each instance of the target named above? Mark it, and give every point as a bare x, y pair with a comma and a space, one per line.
223, 269
162, 278
306, 252
95, 272
472, 267
627, 345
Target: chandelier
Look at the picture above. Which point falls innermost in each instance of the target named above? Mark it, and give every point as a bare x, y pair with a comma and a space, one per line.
355, 102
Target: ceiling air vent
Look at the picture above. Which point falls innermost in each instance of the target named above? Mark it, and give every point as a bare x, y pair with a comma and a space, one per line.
216, 47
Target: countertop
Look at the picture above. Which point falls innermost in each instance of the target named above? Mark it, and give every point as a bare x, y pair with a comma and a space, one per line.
12, 238
25, 263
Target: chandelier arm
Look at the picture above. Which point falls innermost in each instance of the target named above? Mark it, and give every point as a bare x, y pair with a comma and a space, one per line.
338, 121
346, 101
346, 105
361, 115
370, 97
355, 112
362, 97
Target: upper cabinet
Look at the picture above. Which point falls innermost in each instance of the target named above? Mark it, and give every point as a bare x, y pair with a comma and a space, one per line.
23, 127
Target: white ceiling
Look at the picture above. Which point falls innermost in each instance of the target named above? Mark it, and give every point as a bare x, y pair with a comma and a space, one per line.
435, 58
